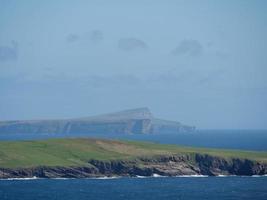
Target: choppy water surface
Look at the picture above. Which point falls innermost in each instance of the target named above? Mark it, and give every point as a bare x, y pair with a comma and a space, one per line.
219, 188
209, 188
231, 139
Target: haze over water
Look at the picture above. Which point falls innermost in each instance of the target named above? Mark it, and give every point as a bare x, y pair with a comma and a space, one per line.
199, 62
202, 63
227, 139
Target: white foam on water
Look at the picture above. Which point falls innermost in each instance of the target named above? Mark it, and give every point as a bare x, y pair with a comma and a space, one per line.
223, 175
137, 176
193, 176
255, 176
107, 177
141, 176
157, 175
21, 179
60, 178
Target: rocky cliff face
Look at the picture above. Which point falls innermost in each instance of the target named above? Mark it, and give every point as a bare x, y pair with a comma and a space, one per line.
136, 121
174, 165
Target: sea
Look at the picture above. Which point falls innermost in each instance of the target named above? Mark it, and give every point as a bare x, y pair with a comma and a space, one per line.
227, 139
154, 188
158, 188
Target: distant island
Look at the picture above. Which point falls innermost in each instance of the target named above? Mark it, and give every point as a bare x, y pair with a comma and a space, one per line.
134, 121
85, 158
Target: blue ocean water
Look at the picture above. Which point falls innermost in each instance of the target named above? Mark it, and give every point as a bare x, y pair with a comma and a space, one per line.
230, 139
209, 188
178, 188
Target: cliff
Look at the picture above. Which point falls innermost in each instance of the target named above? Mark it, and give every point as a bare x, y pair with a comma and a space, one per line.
175, 165
135, 121
84, 158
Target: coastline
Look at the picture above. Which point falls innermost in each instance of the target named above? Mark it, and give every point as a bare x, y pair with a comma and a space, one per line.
156, 166
138, 177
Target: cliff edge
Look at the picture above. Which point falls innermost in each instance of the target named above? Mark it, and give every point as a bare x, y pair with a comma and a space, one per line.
134, 121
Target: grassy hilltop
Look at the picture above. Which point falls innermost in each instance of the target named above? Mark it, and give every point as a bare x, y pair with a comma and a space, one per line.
77, 152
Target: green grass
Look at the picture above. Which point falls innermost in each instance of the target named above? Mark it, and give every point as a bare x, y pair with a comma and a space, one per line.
73, 152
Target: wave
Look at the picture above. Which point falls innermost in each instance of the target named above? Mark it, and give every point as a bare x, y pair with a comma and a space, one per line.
21, 179
62, 178
141, 176
255, 176
137, 176
193, 176
223, 175
106, 177
157, 175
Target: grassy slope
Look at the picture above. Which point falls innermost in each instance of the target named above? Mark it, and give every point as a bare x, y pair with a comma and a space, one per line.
70, 152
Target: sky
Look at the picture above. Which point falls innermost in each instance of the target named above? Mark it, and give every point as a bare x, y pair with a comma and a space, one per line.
202, 63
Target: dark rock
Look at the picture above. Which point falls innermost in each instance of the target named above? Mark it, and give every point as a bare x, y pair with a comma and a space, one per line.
173, 165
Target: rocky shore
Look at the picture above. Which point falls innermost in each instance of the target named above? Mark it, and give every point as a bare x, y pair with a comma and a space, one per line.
175, 165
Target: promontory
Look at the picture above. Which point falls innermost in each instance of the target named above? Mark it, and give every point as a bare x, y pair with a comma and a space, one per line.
88, 157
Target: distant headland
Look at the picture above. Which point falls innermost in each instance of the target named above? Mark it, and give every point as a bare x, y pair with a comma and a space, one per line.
133, 121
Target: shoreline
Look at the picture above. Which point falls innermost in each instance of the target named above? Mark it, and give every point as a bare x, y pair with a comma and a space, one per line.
143, 167
98, 158
134, 177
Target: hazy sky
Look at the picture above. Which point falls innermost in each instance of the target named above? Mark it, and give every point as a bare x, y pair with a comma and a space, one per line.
203, 63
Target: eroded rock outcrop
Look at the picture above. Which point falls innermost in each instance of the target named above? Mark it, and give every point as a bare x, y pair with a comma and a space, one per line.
172, 165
